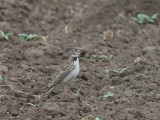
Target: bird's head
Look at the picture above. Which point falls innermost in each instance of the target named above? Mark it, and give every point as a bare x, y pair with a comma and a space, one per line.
77, 51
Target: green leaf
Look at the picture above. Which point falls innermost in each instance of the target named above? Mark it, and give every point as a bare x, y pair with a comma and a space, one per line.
23, 34
107, 57
110, 57
103, 56
134, 18
123, 69
152, 21
140, 22
22, 37
33, 37
107, 71
142, 17
154, 16
2, 33
87, 117
97, 118
32, 104
1, 78
6, 37
95, 56
119, 70
137, 20
115, 71
10, 33
109, 94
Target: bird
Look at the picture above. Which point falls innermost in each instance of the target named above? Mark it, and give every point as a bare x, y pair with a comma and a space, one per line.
69, 72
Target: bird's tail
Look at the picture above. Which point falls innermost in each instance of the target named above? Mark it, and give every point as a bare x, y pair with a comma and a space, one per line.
45, 95
49, 90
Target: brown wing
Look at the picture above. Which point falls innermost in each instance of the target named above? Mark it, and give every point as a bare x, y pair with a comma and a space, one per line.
67, 66
62, 75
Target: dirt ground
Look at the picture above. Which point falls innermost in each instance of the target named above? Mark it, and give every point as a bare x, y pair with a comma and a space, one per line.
29, 67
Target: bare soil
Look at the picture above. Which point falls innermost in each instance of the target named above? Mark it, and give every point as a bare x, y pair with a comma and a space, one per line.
30, 67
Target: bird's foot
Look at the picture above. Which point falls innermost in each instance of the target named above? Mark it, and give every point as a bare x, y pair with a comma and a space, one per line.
67, 90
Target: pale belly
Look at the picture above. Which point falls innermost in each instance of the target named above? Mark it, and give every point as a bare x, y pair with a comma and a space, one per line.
71, 76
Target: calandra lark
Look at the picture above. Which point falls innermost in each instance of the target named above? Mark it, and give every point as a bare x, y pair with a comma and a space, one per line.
70, 71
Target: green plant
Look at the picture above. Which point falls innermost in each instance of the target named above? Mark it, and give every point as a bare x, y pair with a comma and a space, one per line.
119, 70
109, 57
141, 18
1, 78
108, 71
88, 117
97, 118
25, 37
32, 104
5, 35
95, 56
109, 94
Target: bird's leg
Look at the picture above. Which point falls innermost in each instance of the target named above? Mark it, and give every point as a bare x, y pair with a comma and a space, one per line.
66, 89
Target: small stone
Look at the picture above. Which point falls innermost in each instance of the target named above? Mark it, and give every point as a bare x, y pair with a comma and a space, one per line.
84, 69
126, 79
3, 69
14, 113
149, 49
51, 106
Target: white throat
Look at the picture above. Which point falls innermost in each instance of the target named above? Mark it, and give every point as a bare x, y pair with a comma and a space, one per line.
77, 63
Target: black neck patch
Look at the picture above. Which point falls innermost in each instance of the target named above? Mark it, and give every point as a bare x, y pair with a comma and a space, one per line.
74, 58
